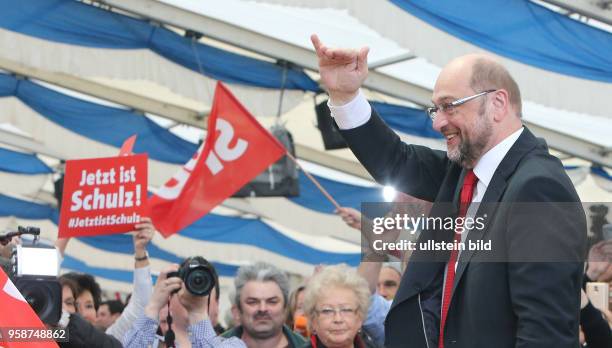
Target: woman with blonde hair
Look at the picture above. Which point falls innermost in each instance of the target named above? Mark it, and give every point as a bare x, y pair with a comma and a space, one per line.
336, 303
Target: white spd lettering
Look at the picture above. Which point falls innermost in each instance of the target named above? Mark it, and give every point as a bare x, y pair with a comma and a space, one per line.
222, 149
221, 152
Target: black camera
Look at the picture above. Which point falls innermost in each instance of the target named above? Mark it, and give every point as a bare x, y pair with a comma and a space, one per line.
34, 272
198, 274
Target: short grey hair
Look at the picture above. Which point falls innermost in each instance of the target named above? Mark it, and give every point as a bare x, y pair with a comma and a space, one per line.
337, 276
261, 272
396, 266
489, 74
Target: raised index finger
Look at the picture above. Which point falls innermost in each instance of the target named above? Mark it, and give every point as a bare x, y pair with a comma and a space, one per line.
315, 42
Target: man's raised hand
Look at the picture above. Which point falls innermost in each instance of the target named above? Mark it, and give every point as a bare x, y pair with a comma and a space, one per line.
162, 290
342, 70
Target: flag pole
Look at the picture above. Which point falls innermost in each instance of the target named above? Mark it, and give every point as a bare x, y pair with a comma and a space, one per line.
314, 181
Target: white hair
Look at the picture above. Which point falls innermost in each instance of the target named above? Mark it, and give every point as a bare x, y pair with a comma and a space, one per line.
337, 276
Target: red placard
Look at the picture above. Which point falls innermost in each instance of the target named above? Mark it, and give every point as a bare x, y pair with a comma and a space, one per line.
103, 195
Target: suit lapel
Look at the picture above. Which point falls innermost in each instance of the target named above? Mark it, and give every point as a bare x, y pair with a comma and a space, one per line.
486, 209
457, 194
425, 266
523, 145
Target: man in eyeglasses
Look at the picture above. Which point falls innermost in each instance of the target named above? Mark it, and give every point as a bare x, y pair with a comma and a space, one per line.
522, 289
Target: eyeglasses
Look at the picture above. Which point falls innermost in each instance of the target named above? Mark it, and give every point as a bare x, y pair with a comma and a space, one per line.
329, 312
448, 107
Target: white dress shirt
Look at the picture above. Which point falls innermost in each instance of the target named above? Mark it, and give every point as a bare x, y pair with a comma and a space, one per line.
352, 114
143, 288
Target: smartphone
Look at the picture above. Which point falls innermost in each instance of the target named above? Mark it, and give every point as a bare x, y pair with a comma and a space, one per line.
598, 294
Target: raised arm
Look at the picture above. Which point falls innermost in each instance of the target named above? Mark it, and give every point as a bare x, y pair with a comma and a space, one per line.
143, 285
416, 170
61, 244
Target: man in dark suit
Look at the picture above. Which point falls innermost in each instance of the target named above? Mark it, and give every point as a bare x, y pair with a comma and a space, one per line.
524, 293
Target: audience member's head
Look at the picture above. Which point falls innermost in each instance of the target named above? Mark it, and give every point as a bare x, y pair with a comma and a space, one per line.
295, 307
69, 291
389, 280
88, 295
108, 312
262, 291
336, 303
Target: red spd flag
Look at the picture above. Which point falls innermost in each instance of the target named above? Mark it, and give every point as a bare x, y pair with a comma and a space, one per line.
17, 314
236, 150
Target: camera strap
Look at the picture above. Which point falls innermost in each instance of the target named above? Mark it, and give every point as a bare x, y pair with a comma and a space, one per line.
169, 336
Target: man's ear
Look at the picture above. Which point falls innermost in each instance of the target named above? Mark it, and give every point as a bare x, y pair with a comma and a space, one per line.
501, 104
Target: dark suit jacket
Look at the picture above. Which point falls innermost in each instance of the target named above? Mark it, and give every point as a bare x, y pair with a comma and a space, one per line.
494, 304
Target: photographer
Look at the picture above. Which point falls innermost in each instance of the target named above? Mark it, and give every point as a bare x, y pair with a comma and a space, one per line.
190, 323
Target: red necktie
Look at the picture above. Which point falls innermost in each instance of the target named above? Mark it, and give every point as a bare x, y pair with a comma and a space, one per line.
467, 190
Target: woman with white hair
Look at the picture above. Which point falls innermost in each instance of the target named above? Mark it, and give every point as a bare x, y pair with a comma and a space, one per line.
336, 302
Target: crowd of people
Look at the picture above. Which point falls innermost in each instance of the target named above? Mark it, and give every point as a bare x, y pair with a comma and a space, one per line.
338, 306
332, 308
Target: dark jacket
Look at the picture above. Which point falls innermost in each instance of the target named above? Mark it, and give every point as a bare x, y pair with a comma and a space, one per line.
597, 332
295, 340
502, 304
362, 340
82, 334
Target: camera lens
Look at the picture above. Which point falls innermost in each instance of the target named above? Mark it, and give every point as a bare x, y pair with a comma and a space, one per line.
36, 298
44, 296
199, 281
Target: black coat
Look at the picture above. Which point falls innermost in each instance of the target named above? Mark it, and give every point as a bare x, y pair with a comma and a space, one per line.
494, 304
82, 334
362, 340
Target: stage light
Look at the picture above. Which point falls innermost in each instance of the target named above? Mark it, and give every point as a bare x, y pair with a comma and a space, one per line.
389, 193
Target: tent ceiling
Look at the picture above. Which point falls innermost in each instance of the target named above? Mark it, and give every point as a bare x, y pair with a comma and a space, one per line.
263, 44
26, 143
596, 9
210, 21
122, 97
538, 85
